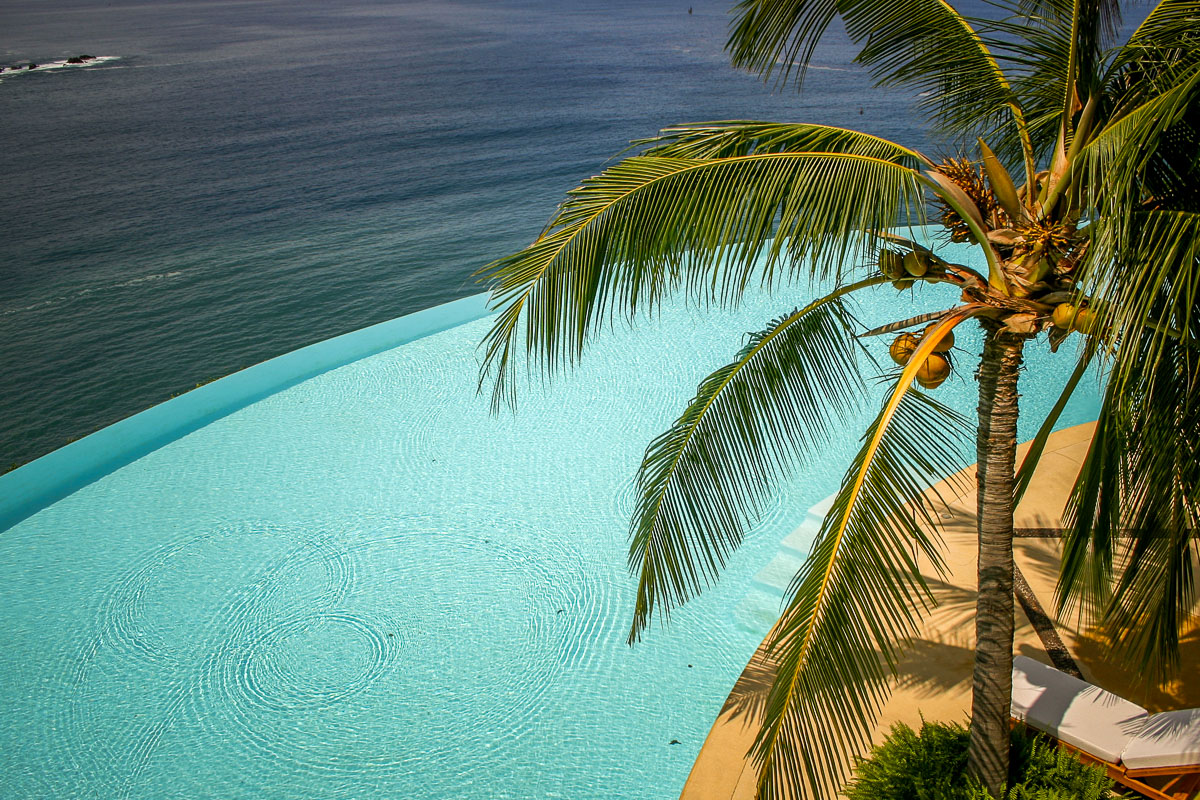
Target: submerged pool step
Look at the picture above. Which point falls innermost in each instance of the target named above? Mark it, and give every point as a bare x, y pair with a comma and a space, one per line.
777, 575
764, 601
758, 611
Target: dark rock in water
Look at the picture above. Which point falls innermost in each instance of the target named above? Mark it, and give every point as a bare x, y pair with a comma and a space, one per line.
32, 66
80, 59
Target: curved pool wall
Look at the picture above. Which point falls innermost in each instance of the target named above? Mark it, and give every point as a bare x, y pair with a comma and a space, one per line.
33, 486
365, 584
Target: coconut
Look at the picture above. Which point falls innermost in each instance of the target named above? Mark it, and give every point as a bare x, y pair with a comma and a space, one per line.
933, 371
1073, 318
904, 283
891, 264
1064, 316
1086, 321
902, 348
915, 265
945, 344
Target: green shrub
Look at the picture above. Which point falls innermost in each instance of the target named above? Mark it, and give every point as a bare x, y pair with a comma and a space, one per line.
1039, 770
931, 766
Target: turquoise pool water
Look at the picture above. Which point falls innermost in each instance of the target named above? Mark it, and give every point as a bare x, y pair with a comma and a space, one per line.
366, 585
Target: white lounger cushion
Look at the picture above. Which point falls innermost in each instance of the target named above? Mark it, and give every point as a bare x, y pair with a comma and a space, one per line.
1169, 739
1074, 711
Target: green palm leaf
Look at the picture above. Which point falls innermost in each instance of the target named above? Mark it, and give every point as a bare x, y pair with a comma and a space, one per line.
739, 138
1165, 45
1093, 518
924, 44
1143, 272
1141, 170
779, 34
932, 48
1160, 288
859, 595
650, 225
1089, 28
1135, 497
1156, 594
1126, 147
702, 482
1036, 52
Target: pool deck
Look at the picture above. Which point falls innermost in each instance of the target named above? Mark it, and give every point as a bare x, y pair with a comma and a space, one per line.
935, 679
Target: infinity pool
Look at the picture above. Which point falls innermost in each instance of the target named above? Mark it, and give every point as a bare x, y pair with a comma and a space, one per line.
366, 585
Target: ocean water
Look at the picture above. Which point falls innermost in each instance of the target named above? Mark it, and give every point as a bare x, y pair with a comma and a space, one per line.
248, 177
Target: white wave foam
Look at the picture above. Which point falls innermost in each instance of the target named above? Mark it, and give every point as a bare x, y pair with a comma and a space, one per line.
51, 65
157, 276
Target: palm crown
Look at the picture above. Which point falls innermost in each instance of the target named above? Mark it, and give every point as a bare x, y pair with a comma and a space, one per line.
1081, 190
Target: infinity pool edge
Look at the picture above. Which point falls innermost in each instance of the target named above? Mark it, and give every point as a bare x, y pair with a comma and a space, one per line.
44, 481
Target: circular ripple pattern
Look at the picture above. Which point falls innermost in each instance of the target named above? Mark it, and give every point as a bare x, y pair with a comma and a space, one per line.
262, 615
125, 628
312, 661
141, 656
548, 613
298, 689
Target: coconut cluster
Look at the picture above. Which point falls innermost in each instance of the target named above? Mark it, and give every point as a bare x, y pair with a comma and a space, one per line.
1070, 318
903, 269
936, 367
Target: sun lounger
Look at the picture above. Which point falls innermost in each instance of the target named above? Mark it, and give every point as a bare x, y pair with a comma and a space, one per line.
1155, 754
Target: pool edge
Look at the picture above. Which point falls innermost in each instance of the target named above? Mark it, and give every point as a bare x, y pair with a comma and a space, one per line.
44, 481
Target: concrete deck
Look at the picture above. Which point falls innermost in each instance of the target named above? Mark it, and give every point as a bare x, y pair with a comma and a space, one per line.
935, 679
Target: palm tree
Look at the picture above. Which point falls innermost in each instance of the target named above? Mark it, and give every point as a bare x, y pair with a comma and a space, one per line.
1077, 179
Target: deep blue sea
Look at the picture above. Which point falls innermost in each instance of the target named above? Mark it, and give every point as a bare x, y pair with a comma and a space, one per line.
249, 176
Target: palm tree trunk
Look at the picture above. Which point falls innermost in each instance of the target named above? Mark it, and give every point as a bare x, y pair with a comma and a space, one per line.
996, 446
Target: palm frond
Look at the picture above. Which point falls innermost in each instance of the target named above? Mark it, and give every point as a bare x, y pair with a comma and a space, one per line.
703, 481
1124, 149
952, 195
1036, 54
1142, 262
858, 597
724, 139
1170, 26
779, 35
1092, 26
924, 44
1165, 45
931, 47
1161, 286
1143, 272
650, 225
1104, 16
1139, 482
1093, 519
